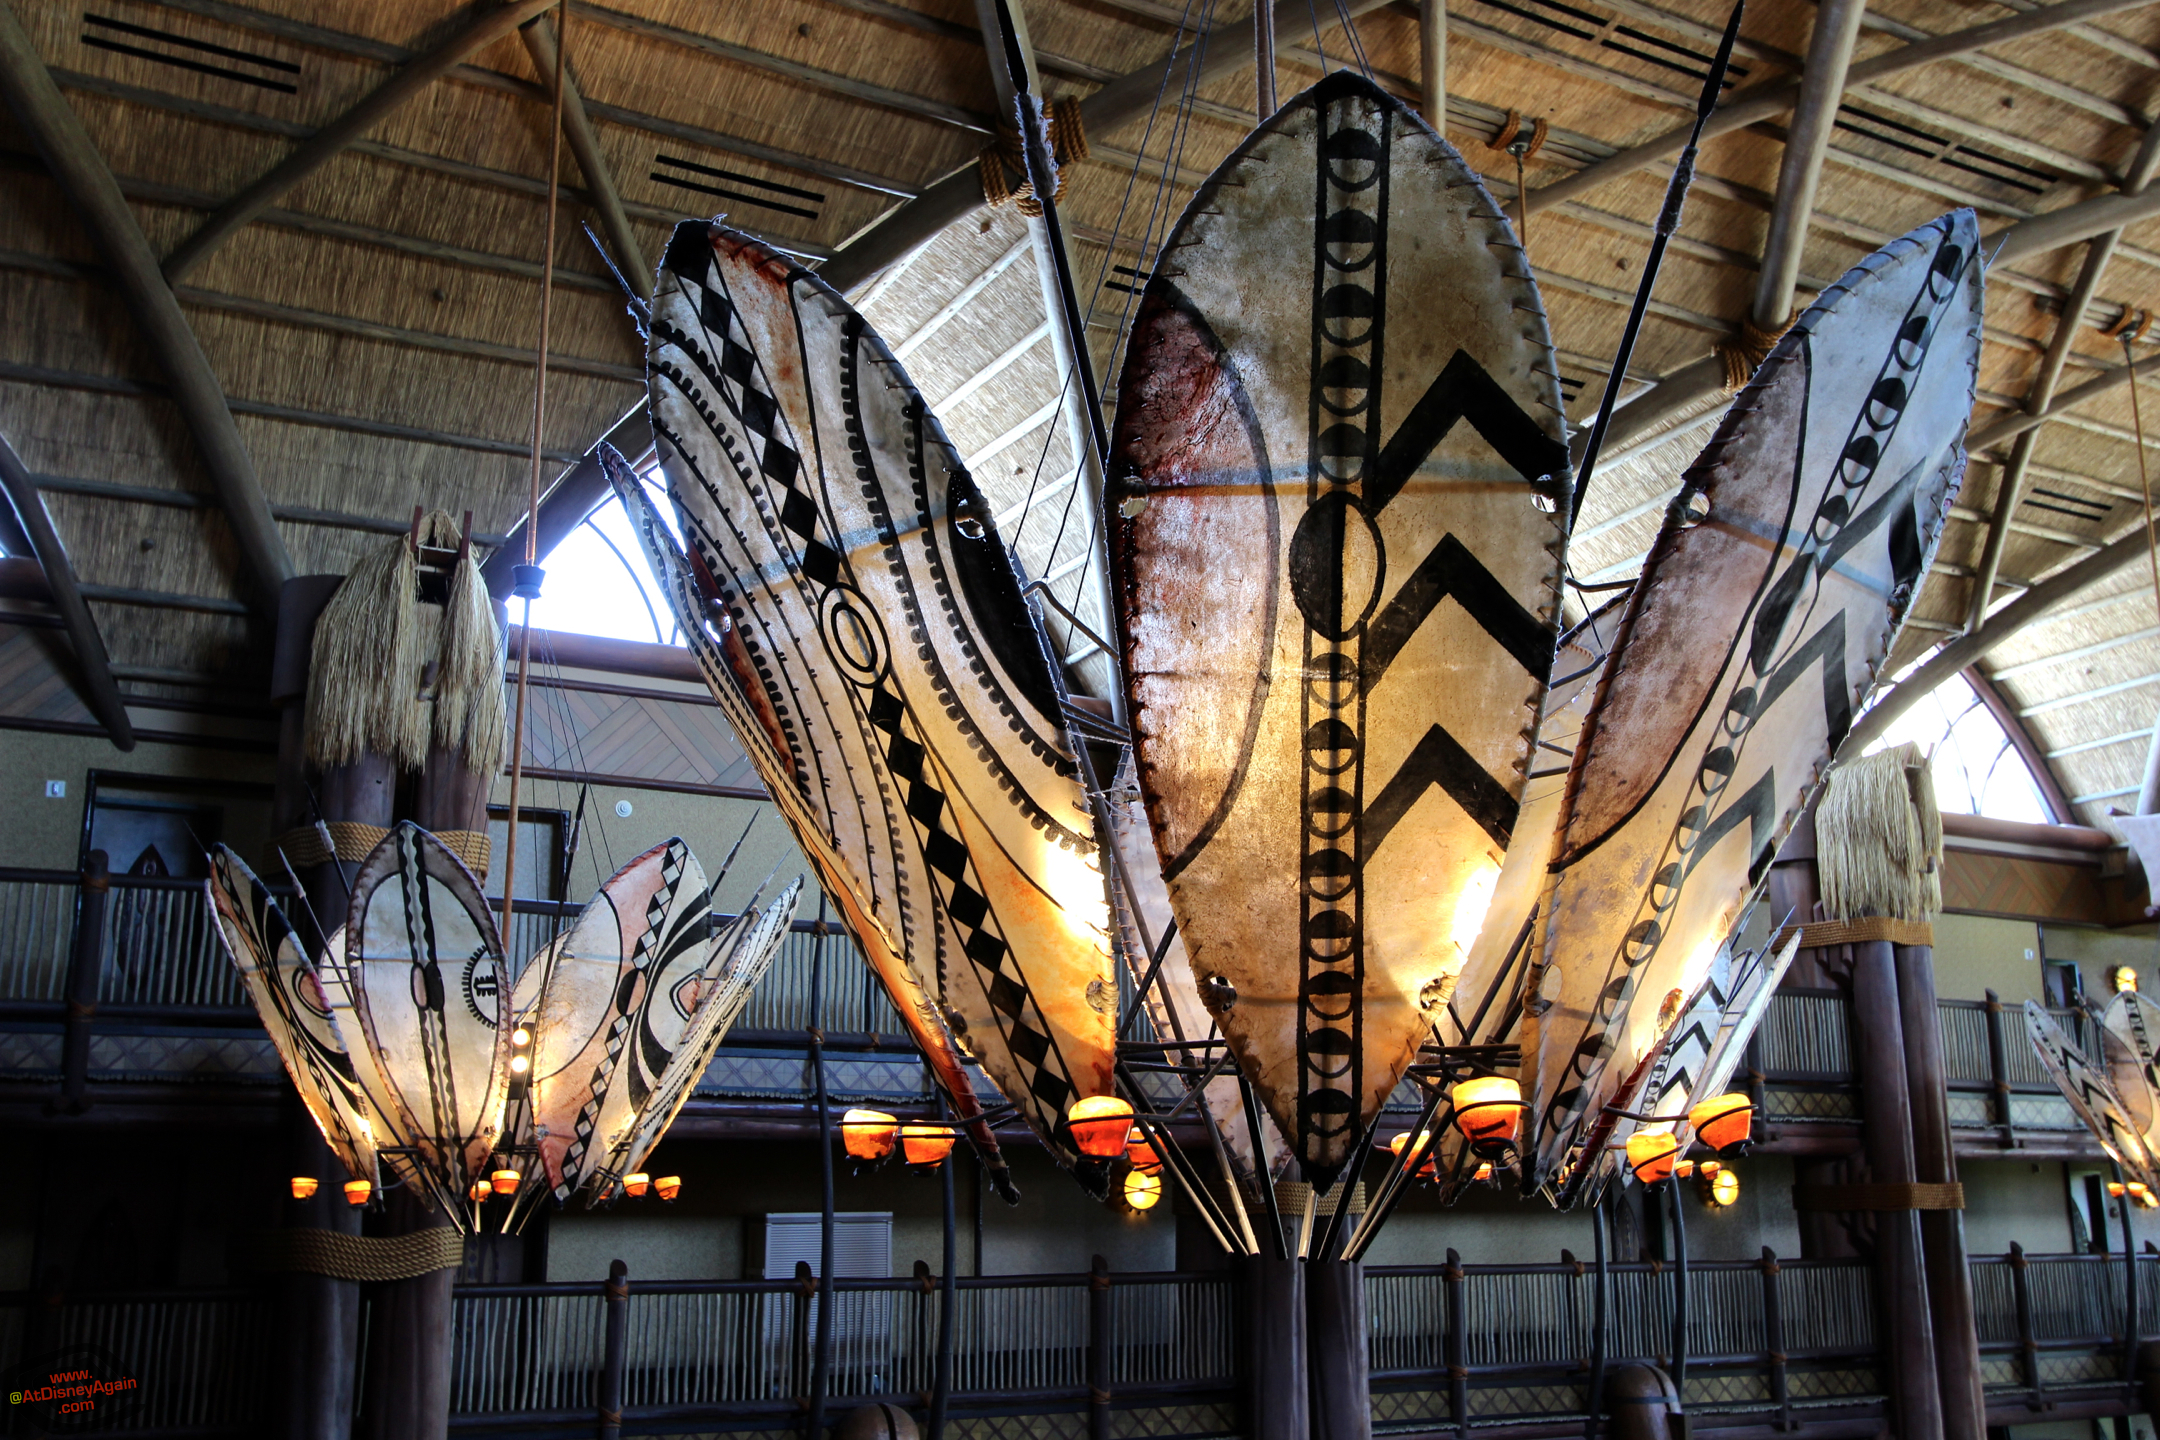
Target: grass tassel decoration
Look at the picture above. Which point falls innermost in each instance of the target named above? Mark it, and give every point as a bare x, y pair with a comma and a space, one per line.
1878, 838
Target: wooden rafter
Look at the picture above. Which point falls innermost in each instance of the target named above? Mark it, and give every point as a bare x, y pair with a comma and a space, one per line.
84, 178
102, 691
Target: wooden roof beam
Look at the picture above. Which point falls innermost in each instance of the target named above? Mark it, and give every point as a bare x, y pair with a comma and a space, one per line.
84, 178
483, 25
539, 38
82, 632
1228, 51
1822, 84
2032, 606
2012, 479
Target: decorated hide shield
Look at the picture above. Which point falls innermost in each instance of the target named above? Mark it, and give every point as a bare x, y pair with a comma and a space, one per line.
2095, 1100
425, 982
607, 1005
2128, 1025
884, 659
1340, 471
1772, 595
288, 993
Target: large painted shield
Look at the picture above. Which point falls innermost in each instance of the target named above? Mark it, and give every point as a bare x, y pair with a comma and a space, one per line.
608, 1003
1772, 595
2094, 1100
2129, 1024
1340, 468
288, 994
883, 645
425, 982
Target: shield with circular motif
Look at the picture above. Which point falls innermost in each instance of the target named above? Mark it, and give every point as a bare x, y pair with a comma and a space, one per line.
1339, 472
886, 671
1772, 595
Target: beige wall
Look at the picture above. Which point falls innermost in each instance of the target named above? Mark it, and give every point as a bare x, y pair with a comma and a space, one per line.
2098, 952
2020, 1200
47, 834
1976, 953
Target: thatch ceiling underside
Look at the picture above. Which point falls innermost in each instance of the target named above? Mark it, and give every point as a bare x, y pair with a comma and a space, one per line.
372, 330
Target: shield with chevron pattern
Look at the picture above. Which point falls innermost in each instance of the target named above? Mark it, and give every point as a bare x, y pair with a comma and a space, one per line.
1340, 467
1772, 595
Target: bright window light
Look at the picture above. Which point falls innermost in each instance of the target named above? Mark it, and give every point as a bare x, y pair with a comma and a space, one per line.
599, 584
1978, 771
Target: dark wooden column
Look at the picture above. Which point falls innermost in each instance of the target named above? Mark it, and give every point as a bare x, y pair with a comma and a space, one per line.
318, 1317
1942, 1232
1272, 1346
1908, 1343
1336, 1360
408, 1370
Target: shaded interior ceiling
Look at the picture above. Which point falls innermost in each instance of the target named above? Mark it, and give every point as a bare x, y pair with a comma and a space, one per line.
372, 330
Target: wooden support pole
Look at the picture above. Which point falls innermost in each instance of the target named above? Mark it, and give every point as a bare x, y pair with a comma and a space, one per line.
1102, 1348
1942, 1232
1432, 62
484, 25
1339, 1368
1807, 139
409, 1338
539, 38
1774, 1338
101, 691
1272, 1335
86, 977
1455, 1346
1887, 1137
616, 1296
88, 185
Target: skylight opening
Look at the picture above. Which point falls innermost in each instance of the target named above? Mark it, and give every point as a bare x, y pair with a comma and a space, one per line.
1977, 767
599, 584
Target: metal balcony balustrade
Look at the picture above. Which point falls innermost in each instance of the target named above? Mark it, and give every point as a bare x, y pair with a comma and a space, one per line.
1783, 1342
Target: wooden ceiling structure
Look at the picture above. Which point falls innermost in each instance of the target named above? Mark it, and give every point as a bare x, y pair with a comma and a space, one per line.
269, 271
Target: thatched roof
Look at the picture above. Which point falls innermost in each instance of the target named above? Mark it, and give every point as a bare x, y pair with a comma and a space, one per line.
372, 329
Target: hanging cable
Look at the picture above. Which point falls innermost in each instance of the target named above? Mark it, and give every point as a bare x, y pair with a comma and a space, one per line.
527, 579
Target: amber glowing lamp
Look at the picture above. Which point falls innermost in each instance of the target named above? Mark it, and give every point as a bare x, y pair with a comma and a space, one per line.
925, 1147
1723, 1121
303, 1187
1099, 1125
357, 1191
1488, 1110
868, 1135
1652, 1156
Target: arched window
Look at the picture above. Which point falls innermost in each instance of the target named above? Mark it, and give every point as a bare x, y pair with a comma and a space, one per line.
599, 584
1978, 770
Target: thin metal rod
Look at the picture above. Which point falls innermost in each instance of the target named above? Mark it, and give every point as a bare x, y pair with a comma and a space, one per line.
539, 425
1591, 1423
1348, 1184
2130, 1296
949, 1287
1667, 222
1264, 57
1263, 1174
1680, 1294
821, 1365
1398, 1179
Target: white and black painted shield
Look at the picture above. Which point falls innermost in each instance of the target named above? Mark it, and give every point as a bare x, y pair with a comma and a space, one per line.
2091, 1096
881, 645
1340, 467
1771, 597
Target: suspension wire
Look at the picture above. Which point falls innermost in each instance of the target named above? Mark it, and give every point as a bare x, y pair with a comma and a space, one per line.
2137, 417
1318, 43
1356, 41
532, 501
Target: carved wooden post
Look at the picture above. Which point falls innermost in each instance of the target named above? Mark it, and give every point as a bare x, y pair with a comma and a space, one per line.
1102, 1349
86, 976
1341, 1373
617, 1299
1942, 1232
1456, 1346
2028, 1342
1774, 1337
1887, 1135
1273, 1347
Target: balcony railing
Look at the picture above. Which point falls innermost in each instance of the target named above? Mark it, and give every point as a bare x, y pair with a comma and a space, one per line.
1770, 1342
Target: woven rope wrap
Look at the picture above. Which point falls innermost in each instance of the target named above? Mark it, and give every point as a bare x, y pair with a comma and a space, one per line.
1825, 933
1879, 1197
1068, 146
361, 1258
1290, 1198
356, 841
303, 846
1746, 351
1512, 127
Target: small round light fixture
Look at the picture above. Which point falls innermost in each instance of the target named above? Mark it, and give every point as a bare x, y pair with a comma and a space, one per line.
668, 1186
1723, 1121
505, 1182
1721, 1187
1143, 1190
1483, 1175
636, 1183
2142, 1193
480, 1191
868, 1135
925, 1147
1683, 1168
2116, 1189
1488, 1111
2124, 979
1141, 1153
1651, 1155
357, 1191
521, 1037
1099, 1125
1421, 1160
519, 1064
304, 1187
